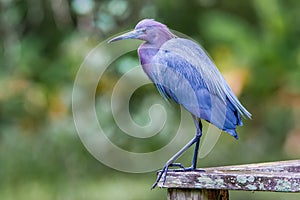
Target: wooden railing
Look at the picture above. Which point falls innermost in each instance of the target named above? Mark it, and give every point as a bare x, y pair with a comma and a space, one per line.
215, 183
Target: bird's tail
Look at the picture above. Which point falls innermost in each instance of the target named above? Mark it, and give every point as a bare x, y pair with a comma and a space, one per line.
232, 132
240, 108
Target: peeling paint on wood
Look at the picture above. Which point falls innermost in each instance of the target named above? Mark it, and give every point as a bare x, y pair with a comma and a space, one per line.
281, 176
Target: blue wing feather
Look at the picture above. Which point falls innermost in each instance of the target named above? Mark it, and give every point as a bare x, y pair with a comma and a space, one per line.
196, 56
162, 91
183, 72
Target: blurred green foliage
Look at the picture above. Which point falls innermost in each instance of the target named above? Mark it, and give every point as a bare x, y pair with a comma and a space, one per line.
44, 42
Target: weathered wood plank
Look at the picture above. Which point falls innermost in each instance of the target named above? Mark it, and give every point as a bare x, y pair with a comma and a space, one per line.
281, 176
200, 194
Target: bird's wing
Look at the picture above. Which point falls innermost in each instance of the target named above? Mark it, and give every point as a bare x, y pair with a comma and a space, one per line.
191, 65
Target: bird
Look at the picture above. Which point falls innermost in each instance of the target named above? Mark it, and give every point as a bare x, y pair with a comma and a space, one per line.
183, 73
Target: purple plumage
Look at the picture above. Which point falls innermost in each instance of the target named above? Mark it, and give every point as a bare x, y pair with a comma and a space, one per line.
184, 73
166, 58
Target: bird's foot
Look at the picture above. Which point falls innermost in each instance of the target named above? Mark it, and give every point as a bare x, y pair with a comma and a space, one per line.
184, 169
162, 174
177, 165
165, 169
188, 169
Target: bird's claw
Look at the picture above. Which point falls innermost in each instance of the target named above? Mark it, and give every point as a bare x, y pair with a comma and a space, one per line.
165, 169
162, 174
177, 165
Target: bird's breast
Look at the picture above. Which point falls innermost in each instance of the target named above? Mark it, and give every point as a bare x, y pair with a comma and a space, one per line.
146, 55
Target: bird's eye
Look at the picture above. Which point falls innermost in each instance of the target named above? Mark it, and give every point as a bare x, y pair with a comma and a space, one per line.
143, 30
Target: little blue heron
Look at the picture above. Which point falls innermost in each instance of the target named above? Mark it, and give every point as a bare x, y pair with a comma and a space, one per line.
184, 73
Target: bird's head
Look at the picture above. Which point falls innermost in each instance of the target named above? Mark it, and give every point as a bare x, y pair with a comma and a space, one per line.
148, 30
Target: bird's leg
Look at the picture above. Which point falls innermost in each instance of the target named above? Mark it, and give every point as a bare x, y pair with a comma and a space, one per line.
170, 162
196, 150
198, 136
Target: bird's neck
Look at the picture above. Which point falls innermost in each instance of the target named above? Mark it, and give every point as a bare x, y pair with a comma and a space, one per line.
147, 51
150, 48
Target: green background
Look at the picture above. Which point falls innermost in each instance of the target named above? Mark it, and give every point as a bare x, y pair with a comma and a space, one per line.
255, 44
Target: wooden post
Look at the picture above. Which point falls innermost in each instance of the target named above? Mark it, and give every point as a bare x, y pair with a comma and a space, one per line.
200, 194
214, 183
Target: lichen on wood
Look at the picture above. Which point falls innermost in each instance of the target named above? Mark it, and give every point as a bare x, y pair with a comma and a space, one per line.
281, 176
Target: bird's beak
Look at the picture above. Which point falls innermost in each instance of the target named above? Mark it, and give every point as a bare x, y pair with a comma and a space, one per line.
129, 35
